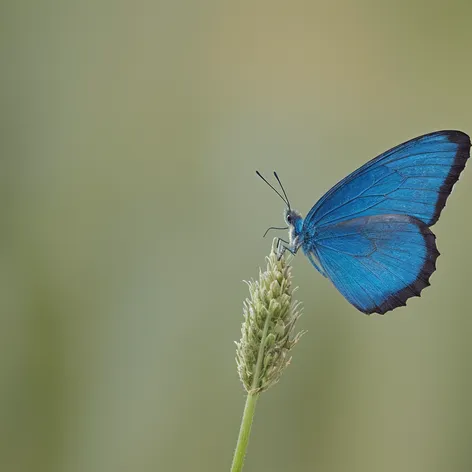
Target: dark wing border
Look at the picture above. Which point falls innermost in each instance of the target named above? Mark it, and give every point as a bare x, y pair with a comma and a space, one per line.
463, 152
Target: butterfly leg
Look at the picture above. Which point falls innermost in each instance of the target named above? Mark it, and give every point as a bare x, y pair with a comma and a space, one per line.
283, 246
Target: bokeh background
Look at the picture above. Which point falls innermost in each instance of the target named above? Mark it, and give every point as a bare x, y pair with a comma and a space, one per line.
130, 133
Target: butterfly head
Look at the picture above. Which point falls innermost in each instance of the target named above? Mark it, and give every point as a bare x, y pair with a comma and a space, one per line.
292, 217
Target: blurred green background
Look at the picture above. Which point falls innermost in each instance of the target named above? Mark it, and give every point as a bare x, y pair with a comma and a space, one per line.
131, 214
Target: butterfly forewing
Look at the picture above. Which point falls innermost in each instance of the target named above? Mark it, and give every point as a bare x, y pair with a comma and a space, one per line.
414, 178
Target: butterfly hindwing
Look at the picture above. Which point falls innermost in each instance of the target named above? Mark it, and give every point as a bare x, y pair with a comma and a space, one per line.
376, 262
414, 178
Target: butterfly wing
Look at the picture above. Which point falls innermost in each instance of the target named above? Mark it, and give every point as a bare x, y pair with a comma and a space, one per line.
376, 262
414, 178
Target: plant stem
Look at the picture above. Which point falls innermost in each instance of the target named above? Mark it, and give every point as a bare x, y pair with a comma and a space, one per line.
250, 406
244, 432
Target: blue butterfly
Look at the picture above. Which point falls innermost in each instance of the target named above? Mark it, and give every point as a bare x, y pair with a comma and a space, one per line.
370, 233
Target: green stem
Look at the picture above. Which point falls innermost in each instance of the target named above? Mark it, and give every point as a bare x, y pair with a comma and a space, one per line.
250, 406
244, 432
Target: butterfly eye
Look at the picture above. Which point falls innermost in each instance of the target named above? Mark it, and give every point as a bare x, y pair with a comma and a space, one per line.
289, 219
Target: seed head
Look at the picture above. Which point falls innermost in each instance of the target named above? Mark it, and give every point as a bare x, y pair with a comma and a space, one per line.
270, 315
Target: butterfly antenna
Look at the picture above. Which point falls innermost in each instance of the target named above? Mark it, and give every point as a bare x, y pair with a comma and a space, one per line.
274, 189
283, 190
274, 227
